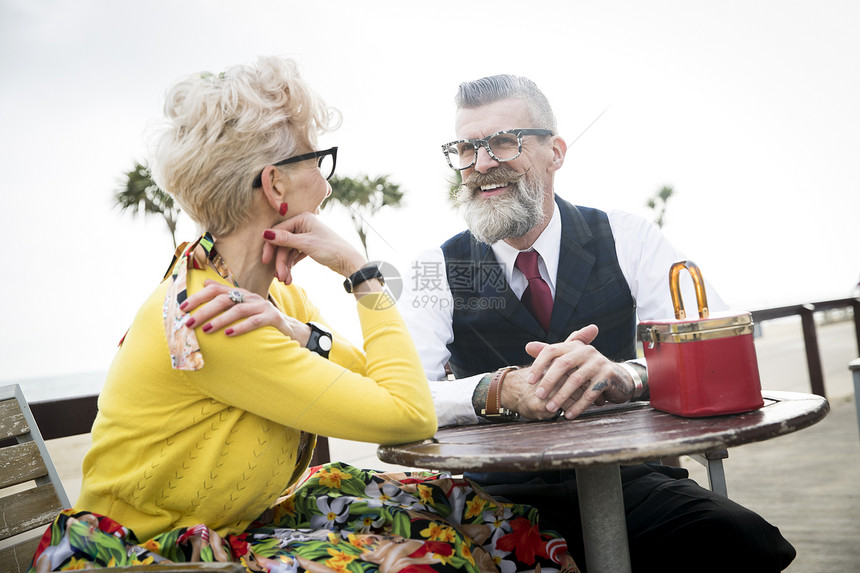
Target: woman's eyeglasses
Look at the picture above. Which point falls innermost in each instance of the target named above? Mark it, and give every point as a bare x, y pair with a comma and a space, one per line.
326, 162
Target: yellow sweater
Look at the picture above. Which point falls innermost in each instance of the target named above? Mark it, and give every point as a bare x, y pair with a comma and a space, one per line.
217, 446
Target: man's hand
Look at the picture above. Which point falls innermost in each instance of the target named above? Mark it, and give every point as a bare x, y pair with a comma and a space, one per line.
519, 395
518, 392
572, 375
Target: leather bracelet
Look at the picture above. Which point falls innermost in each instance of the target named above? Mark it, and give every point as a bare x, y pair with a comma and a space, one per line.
638, 385
494, 409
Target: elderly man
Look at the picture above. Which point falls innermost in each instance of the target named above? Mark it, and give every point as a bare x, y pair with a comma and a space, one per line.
555, 289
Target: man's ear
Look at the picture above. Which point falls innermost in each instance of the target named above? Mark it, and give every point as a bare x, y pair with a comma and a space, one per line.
559, 149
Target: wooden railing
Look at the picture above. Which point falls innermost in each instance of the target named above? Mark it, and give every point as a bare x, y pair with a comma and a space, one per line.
810, 337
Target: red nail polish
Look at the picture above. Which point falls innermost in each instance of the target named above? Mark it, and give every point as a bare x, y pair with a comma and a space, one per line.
207, 327
190, 322
268, 235
228, 332
183, 306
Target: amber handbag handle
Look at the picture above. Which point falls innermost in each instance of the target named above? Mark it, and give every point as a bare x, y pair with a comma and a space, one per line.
675, 288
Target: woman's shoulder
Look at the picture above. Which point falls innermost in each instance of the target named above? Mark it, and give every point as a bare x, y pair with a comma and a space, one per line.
292, 300
145, 334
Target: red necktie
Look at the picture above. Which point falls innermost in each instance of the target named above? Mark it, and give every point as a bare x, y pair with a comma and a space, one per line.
537, 296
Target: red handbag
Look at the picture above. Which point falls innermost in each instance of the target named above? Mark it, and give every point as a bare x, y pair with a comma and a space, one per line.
700, 367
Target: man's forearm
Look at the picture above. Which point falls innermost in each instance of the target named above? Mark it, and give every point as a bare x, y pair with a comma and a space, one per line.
453, 400
479, 395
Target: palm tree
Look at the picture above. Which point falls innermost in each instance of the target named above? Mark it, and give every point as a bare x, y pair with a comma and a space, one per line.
454, 183
363, 197
141, 194
661, 198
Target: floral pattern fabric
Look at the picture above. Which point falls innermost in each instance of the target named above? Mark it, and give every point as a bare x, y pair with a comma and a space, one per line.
181, 341
337, 518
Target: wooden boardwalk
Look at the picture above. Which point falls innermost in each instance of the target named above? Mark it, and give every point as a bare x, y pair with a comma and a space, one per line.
806, 483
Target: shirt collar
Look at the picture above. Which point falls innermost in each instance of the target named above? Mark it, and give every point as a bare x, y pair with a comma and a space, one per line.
547, 245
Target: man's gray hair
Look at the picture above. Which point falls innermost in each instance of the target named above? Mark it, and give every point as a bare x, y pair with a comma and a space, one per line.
505, 86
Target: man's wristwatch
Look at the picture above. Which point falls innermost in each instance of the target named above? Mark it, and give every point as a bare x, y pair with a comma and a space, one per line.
494, 410
361, 275
320, 340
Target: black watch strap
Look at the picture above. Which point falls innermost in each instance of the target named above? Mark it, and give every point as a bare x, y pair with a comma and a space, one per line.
361, 275
320, 340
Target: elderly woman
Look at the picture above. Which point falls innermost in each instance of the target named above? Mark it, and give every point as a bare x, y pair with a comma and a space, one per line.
207, 418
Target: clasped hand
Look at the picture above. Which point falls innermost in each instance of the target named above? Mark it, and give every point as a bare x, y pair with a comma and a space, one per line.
570, 376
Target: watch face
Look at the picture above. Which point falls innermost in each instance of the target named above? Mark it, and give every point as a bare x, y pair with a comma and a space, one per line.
320, 340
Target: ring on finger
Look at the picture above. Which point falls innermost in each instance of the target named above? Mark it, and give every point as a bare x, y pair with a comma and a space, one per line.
236, 296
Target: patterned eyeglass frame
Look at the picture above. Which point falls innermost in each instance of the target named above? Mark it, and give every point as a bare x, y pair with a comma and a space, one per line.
485, 143
258, 182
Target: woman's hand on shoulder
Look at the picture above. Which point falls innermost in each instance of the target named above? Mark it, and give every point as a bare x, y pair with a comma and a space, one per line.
220, 311
306, 235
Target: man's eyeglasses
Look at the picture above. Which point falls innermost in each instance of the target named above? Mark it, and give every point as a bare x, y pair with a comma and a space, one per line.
502, 146
326, 161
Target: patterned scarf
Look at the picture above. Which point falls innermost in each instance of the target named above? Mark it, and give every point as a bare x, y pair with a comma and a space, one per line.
182, 341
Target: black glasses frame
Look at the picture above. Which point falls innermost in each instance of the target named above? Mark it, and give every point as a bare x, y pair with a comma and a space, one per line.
319, 155
485, 143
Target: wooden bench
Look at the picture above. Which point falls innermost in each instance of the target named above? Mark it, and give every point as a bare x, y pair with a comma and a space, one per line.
32, 494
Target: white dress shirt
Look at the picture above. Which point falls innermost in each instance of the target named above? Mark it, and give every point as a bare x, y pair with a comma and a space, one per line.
644, 255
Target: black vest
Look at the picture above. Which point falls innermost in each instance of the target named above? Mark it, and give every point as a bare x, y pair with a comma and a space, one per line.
491, 325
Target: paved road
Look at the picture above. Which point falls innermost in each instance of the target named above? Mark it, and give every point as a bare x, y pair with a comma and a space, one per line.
806, 483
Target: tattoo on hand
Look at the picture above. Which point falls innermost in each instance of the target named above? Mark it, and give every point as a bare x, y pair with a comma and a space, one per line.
600, 386
479, 396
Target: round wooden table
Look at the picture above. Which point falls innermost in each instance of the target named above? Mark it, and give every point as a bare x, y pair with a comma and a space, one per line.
595, 444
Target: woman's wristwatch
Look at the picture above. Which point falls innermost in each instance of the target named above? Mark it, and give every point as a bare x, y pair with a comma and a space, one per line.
362, 275
320, 340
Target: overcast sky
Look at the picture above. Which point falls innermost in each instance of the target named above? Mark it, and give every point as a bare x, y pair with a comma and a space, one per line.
748, 108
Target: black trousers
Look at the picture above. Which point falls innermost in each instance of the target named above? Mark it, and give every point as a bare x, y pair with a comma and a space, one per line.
673, 524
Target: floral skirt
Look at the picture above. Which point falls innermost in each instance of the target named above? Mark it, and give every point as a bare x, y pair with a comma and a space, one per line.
338, 518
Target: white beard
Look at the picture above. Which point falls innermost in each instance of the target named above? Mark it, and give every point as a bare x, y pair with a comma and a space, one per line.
507, 216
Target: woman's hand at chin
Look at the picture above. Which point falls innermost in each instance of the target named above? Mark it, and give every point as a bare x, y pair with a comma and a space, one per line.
219, 311
306, 235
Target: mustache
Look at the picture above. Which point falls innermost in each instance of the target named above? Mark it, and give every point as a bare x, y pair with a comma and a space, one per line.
496, 176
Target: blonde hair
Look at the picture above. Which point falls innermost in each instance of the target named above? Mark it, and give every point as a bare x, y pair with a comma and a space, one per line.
223, 129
